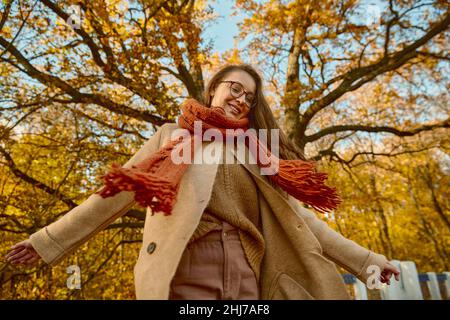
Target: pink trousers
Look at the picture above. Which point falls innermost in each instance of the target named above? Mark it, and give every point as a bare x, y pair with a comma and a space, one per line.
215, 268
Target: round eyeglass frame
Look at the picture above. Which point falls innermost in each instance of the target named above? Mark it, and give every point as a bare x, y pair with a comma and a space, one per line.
250, 105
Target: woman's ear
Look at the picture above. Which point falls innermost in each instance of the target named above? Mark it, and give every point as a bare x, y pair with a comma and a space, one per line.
212, 90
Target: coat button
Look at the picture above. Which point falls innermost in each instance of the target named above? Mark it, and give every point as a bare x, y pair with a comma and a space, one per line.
151, 247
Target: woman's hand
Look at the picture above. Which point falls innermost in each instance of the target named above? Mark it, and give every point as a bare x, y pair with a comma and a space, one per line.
387, 272
22, 253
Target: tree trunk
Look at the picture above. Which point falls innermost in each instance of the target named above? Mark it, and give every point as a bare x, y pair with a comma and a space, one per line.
429, 182
428, 229
291, 99
385, 232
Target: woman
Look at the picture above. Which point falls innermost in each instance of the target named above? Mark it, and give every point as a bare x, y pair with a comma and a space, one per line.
232, 233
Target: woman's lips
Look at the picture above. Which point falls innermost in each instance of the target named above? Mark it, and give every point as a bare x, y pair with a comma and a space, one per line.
234, 109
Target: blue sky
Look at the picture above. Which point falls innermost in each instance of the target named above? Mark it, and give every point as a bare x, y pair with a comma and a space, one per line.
225, 28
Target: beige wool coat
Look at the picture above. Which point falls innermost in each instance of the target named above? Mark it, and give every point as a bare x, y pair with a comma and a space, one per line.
300, 249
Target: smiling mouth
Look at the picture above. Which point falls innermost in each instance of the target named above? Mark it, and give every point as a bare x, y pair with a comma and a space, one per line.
234, 109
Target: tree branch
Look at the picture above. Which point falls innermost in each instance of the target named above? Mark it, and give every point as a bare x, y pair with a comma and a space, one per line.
433, 55
5, 14
40, 185
398, 132
355, 78
77, 96
94, 49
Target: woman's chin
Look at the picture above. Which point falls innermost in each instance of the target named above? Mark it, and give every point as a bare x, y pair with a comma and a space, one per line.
229, 114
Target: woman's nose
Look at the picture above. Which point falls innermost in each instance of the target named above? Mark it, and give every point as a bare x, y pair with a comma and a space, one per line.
241, 99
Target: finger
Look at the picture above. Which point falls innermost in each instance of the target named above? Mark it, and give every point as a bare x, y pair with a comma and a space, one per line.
19, 244
18, 255
394, 269
25, 258
13, 248
33, 260
390, 268
22, 258
13, 252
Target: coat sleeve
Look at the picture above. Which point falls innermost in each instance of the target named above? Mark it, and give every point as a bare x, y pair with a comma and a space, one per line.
344, 252
55, 241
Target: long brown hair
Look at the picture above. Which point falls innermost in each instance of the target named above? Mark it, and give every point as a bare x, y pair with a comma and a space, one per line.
261, 116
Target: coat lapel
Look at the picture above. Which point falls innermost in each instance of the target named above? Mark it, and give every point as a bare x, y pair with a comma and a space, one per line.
293, 254
167, 236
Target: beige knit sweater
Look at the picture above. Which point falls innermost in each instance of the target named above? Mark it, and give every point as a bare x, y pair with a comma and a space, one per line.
234, 199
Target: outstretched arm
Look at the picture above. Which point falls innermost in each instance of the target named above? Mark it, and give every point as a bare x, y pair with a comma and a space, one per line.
345, 252
55, 241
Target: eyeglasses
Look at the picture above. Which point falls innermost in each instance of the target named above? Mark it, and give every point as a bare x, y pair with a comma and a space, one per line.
237, 90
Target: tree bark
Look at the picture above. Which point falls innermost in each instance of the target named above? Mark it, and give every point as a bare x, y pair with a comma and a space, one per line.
428, 229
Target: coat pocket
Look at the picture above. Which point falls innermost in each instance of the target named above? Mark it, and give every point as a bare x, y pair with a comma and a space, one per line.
285, 287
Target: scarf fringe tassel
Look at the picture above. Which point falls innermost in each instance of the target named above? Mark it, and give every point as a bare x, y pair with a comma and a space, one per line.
150, 190
300, 179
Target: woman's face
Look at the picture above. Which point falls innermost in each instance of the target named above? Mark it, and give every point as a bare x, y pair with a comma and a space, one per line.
236, 108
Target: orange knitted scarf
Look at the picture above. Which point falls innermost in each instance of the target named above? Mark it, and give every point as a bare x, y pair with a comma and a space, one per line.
156, 180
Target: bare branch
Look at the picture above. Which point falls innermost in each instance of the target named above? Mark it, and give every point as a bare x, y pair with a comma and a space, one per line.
434, 55
398, 132
355, 78
20, 28
78, 96
5, 14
